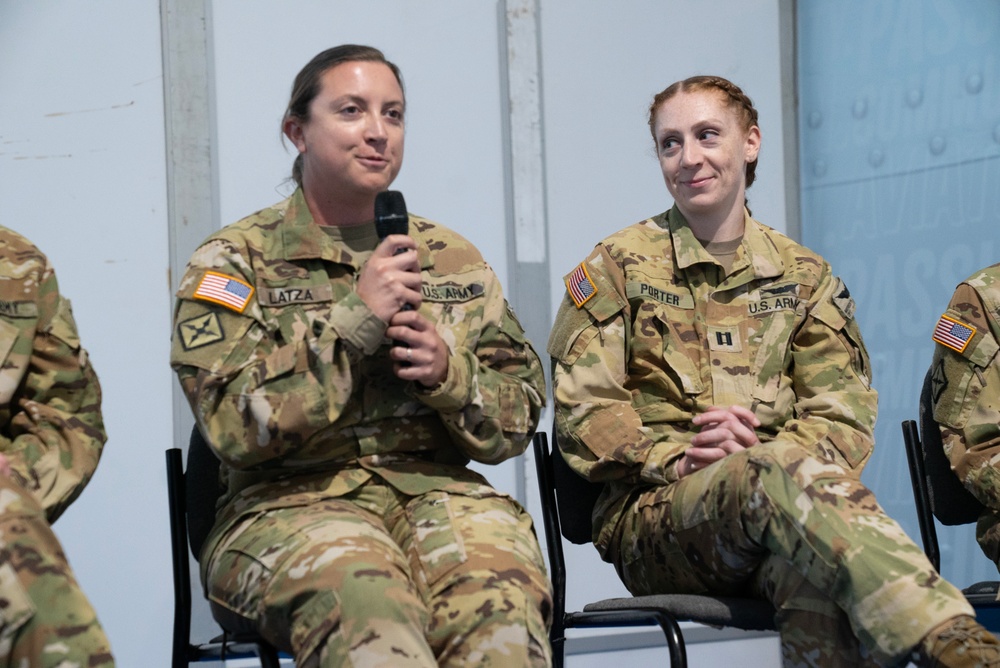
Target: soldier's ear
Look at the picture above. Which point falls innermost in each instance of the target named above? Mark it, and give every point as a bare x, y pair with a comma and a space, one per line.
294, 129
753, 144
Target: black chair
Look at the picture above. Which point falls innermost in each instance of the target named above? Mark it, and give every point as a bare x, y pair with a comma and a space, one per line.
192, 496
938, 493
567, 507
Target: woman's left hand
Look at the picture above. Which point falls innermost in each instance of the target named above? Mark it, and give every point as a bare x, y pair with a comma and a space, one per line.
419, 353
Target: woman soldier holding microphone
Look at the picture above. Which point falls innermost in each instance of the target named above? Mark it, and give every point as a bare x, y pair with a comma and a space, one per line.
345, 382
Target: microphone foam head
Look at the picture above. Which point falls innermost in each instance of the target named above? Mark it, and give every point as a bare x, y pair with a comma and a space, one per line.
390, 214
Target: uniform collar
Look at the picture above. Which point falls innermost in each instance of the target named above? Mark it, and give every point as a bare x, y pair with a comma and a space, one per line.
303, 239
756, 248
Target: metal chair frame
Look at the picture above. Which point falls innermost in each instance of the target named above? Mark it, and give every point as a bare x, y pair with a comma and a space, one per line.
229, 645
933, 481
665, 611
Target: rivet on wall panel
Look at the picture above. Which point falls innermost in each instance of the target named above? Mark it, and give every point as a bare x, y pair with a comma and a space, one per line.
860, 108
876, 157
974, 83
996, 133
819, 168
815, 119
914, 97
938, 144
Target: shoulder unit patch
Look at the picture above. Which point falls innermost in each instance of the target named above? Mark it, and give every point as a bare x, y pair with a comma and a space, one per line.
200, 331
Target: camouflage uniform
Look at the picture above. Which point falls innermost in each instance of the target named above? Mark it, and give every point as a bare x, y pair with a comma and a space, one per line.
52, 434
351, 529
653, 332
966, 394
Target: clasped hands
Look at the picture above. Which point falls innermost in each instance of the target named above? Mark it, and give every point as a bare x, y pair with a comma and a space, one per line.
724, 430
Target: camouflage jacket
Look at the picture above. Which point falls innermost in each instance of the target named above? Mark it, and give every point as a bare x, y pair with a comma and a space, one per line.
966, 383
288, 374
51, 429
651, 333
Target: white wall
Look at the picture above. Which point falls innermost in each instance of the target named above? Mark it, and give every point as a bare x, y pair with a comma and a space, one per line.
82, 173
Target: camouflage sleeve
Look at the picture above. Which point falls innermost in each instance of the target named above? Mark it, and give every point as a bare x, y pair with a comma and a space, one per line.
835, 405
493, 395
56, 430
260, 390
966, 392
599, 432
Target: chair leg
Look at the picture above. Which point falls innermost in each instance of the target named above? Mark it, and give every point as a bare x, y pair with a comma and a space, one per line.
558, 652
675, 641
268, 656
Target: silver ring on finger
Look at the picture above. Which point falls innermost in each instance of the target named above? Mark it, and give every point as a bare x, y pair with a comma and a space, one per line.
409, 354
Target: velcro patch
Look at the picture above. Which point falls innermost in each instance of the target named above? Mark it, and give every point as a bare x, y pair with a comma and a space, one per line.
200, 331
225, 290
953, 334
451, 292
581, 287
18, 309
724, 339
305, 294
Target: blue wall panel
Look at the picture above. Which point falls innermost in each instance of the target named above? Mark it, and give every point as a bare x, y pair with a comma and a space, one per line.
899, 123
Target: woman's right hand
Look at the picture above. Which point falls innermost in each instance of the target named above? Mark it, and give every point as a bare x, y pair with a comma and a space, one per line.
390, 279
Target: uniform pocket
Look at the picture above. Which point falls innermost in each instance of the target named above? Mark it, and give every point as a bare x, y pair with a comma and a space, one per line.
63, 325
665, 333
437, 545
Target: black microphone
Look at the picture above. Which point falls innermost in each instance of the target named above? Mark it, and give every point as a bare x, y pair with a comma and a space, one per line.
391, 218
390, 215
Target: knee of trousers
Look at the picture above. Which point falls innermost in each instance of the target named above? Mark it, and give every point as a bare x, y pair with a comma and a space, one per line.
777, 478
496, 617
358, 602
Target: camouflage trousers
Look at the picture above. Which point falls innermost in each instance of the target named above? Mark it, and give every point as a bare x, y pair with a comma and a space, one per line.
378, 578
850, 588
45, 620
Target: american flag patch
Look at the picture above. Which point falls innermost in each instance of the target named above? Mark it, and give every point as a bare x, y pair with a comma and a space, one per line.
953, 334
226, 290
580, 286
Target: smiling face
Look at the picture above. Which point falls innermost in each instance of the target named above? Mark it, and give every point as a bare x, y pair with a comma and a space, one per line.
351, 141
704, 147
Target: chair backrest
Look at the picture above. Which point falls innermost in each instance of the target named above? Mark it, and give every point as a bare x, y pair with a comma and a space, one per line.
949, 500
179, 557
201, 490
576, 498
553, 532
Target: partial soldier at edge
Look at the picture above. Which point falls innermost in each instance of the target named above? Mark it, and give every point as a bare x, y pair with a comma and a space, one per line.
965, 394
51, 438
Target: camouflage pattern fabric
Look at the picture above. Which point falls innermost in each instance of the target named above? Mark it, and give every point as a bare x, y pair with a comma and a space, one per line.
965, 375
661, 334
46, 620
51, 434
380, 578
288, 374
